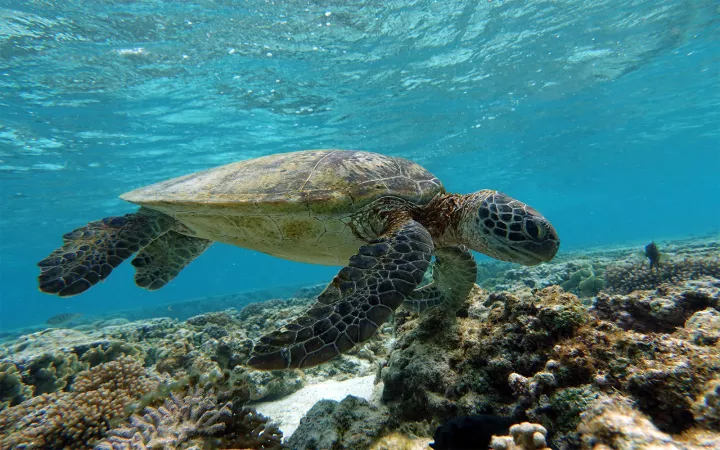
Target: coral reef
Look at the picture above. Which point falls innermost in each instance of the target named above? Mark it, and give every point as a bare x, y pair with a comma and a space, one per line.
78, 417
546, 356
211, 347
353, 423
662, 310
615, 271
612, 422
46, 361
398, 441
178, 422
597, 349
632, 276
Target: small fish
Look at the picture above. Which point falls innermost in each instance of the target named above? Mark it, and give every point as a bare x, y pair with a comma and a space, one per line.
653, 255
470, 432
62, 319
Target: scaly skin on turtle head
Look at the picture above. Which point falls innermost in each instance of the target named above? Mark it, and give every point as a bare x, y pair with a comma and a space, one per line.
499, 226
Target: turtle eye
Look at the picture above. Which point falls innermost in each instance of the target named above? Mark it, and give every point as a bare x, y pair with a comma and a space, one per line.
533, 229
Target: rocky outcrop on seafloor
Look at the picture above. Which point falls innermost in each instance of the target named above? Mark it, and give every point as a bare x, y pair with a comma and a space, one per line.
351, 423
545, 356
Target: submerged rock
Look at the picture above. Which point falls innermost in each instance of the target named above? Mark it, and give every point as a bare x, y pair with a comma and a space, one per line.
353, 423
612, 422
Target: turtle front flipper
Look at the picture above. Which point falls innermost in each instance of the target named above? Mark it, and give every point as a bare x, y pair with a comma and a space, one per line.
91, 252
165, 257
454, 275
356, 302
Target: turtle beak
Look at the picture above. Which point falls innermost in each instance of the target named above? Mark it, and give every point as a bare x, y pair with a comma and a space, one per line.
531, 253
527, 253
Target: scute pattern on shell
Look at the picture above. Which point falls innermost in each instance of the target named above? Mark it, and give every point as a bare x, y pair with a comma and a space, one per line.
332, 180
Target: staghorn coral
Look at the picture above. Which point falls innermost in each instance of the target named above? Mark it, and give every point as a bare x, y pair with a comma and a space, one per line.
251, 430
202, 418
624, 278
524, 436
77, 418
175, 425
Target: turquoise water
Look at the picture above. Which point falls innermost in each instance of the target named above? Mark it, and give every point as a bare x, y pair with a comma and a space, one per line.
605, 117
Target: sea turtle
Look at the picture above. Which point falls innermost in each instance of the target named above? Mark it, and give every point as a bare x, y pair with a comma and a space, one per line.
381, 217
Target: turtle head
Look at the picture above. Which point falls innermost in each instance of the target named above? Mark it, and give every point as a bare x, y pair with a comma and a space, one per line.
507, 229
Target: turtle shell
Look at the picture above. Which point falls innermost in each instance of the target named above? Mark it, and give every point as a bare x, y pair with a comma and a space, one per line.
285, 204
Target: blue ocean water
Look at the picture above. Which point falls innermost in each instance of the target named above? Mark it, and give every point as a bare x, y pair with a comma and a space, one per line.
603, 115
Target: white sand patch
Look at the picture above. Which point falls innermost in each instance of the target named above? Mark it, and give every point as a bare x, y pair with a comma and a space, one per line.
288, 411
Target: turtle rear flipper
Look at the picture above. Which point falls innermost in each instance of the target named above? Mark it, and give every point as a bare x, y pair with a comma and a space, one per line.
454, 275
90, 253
357, 301
165, 257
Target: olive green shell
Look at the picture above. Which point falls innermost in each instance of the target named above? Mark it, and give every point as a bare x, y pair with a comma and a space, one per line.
292, 205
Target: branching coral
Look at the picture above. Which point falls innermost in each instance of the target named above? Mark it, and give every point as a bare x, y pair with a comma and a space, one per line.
51, 371
180, 420
251, 430
77, 418
195, 420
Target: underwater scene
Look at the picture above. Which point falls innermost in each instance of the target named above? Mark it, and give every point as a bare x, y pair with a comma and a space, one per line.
409, 224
